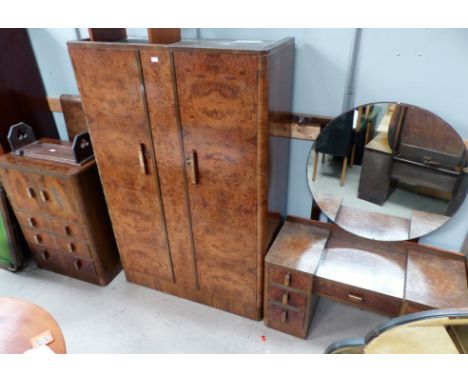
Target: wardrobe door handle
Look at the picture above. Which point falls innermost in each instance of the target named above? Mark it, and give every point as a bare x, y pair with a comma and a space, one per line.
141, 158
44, 196
193, 163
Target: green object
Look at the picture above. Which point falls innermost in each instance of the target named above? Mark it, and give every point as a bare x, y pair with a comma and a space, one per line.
10, 247
6, 258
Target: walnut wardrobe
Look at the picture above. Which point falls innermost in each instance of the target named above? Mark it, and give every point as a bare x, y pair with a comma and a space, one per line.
195, 186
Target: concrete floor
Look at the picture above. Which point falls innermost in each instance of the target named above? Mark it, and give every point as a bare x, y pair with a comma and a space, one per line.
128, 318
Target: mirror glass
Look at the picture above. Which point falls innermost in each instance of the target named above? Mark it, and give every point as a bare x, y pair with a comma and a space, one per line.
388, 171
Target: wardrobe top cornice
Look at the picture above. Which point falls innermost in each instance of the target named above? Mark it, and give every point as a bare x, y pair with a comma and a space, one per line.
228, 46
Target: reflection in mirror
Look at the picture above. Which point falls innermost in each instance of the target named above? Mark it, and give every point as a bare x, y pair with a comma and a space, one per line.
388, 171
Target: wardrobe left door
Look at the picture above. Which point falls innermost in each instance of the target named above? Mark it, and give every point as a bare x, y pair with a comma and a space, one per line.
113, 97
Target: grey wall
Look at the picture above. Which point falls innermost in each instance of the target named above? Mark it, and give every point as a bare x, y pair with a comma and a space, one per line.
423, 67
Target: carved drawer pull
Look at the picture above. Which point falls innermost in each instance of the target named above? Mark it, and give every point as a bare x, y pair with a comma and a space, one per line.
71, 247
66, 230
38, 239
193, 164
285, 298
287, 279
45, 255
284, 316
30, 192
44, 196
355, 298
31, 222
78, 264
141, 158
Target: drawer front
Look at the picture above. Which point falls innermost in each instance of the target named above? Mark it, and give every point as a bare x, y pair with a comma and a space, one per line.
73, 247
41, 238
32, 221
80, 268
290, 279
69, 229
58, 197
47, 258
287, 297
291, 318
359, 297
22, 189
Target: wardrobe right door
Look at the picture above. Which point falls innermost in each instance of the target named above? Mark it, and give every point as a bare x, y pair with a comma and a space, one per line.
217, 95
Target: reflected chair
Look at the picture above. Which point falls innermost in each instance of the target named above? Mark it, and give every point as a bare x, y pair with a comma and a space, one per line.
339, 139
443, 331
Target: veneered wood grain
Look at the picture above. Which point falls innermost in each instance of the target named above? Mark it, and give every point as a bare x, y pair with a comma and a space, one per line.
218, 109
73, 113
114, 109
379, 272
436, 281
163, 115
20, 321
298, 247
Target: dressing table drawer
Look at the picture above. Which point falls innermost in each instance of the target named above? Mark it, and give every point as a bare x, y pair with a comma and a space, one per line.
72, 230
293, 319
41, 238
73, 247
358, 297
290, 279
287, 297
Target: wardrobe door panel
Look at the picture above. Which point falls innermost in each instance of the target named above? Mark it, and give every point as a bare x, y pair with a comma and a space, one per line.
218, 111
159, 85
113, 98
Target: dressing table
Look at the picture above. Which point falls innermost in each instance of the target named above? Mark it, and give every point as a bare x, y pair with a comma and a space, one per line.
311, 259
410, 182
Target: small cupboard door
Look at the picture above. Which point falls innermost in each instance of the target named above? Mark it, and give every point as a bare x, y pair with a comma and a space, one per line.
112, 93
218, 110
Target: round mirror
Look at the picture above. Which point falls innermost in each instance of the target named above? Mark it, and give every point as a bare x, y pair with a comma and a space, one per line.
388, 171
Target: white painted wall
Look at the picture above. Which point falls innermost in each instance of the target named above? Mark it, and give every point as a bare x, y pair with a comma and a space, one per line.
436, 79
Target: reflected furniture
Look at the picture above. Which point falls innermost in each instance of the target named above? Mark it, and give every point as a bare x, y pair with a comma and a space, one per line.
421, 152
437, 331
21, 321
312, 258
56, 195
194, 184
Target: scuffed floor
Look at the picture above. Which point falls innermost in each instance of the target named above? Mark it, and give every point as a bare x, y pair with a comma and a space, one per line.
127, 318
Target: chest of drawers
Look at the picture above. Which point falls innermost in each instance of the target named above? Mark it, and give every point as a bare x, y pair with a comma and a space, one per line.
62, 213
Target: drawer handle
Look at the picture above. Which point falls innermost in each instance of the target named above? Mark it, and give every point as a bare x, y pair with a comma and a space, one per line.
287, 279
355, 298
78, 264
284, 316
71, 247
31, 222
285, 298
66, 230
30, 192
44, 196
38, 239
45, 255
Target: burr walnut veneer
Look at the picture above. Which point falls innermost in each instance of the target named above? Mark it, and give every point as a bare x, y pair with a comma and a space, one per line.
311, 258
194, 184
62, 213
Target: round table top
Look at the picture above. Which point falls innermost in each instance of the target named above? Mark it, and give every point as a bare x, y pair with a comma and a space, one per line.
20, 321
